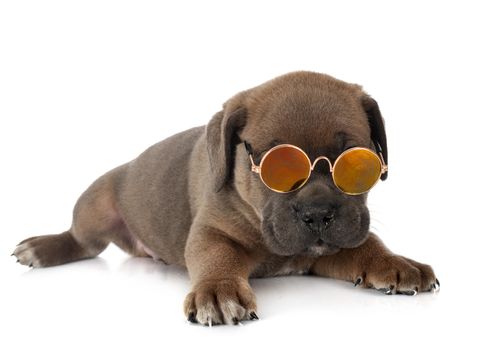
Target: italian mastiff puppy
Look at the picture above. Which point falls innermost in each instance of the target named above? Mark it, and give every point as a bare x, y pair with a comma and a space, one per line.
275, 184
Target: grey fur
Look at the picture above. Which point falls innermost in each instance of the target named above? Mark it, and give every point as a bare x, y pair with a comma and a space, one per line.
192, 200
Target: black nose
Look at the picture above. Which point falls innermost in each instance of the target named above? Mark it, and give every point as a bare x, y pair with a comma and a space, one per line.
316, 216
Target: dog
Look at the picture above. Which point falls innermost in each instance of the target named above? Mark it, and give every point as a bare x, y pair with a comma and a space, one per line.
198, 199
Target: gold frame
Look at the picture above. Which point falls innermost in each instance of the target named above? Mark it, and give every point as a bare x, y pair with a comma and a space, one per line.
257, 168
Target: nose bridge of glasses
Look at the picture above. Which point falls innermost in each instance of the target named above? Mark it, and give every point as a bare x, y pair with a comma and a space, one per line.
322, 158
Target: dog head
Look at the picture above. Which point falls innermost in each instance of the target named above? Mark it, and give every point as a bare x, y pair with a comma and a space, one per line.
321, 115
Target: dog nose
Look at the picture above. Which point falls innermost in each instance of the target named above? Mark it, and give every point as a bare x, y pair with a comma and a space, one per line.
315, 216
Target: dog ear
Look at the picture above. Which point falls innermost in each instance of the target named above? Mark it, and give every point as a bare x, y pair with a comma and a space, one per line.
378, 135
222, 137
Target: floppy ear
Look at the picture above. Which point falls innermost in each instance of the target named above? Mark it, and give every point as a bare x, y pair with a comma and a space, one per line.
221, 138
377, 126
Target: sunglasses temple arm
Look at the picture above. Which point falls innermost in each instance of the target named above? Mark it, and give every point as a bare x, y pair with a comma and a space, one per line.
254, 167
385, 168
380, 155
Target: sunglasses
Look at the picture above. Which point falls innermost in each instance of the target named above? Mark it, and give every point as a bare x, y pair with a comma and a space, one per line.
286, 168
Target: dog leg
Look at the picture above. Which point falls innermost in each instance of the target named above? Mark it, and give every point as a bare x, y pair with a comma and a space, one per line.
96, 223
372, 265
219, 270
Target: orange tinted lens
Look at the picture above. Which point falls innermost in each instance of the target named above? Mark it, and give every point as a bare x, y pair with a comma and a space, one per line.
285, 169
357, 170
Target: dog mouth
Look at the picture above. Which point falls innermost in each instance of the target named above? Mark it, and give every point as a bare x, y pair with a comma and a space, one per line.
320, 247
295, 246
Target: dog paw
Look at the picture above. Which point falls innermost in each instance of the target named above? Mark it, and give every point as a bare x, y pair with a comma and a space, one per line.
225, 301
48, 250
26, 254
397, 275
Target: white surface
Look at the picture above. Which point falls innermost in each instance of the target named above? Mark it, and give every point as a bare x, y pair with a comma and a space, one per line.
87, 86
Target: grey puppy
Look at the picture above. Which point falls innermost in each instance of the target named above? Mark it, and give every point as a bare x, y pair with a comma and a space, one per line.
193, 200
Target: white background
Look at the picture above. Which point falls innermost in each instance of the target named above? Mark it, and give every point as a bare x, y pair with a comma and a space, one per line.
88, 85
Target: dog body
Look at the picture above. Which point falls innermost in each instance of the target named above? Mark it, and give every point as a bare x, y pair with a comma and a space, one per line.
192, 200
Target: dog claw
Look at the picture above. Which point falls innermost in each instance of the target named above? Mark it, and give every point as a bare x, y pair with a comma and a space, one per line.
191, 317
437, 282
386, 291
358, 281
253, 316
436, 286
235, 321
408, 292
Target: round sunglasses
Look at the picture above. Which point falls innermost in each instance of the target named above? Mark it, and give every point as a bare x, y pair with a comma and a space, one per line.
286, 168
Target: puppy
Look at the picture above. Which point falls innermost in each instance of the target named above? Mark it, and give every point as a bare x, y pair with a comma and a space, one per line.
275, 184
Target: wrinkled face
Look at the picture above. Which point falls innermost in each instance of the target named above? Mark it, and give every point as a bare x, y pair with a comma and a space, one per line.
317, 219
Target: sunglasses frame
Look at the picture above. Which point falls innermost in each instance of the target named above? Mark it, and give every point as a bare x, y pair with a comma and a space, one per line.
257, 168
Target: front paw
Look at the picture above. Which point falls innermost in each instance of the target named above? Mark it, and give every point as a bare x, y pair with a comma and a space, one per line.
394, 274
226, 301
